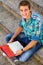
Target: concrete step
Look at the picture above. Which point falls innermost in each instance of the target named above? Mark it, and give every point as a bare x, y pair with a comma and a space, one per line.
2, 34
6, 60
3, 60
36, 5
11, 5
38, 2
8, 19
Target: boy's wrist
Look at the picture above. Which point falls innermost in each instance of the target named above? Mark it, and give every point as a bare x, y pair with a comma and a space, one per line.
22, 50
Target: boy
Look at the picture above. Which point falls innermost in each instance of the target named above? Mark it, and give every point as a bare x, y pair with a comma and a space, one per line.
30, 24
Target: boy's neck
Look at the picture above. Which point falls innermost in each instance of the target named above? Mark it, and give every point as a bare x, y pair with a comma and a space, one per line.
28, 18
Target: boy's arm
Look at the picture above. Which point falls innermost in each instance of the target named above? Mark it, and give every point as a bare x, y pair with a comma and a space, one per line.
18, 30
27, 47
35, 38
30, 45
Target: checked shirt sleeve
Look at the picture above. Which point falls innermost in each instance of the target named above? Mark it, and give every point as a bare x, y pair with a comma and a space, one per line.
20, 24
37, 30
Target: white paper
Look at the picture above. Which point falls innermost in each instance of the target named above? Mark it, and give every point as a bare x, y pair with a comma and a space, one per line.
15, 46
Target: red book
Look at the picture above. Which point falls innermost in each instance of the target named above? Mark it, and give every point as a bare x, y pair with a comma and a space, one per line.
11, 48
5, 48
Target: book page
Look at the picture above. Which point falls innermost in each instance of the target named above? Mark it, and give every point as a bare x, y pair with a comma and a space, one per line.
15, 46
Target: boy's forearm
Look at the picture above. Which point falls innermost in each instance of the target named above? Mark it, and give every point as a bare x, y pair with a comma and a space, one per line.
30, 45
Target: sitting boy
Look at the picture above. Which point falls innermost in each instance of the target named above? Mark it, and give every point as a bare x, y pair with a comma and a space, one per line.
28, 32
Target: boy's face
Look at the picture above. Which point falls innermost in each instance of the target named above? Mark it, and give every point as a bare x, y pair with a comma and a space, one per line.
24, 11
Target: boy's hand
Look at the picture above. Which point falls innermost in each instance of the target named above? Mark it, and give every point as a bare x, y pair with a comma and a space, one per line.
19, 52
11, 41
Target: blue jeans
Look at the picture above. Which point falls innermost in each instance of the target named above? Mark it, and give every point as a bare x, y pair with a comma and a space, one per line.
23, 39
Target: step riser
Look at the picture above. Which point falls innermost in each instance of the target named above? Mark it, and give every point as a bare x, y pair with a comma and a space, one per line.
11, 11
0, 3
35, 6
35, 56
4, 28
38, 2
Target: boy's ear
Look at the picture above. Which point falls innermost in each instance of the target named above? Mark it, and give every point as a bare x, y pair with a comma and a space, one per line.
30, 9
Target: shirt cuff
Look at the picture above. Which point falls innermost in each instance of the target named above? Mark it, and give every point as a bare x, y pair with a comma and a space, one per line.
20, 24
35, 38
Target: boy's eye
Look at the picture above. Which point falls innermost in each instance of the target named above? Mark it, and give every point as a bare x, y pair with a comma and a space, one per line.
25, 9
21, 10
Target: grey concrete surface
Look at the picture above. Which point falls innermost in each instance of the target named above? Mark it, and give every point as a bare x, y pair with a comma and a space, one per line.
11, 22
39, 2
14, 5
3, 60
8, 20
32, 61
2, 34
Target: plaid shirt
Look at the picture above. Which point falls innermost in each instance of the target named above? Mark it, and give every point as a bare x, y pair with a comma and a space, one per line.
33, 28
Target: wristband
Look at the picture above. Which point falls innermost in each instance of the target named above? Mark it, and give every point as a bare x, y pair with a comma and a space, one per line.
22, 50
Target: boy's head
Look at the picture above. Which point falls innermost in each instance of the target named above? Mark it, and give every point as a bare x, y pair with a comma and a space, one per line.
25, 8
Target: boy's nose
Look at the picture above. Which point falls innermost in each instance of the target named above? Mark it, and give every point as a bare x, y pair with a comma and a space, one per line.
24, 12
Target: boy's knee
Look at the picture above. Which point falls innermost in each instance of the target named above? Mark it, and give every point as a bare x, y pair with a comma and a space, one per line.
7, 36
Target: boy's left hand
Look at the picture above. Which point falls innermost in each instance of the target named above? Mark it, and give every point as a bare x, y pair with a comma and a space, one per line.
19, 52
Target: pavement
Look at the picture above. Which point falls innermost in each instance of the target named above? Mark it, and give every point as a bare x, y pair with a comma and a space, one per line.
11, 23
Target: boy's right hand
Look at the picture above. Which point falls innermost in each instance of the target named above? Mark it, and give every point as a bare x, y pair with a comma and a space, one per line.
11, 41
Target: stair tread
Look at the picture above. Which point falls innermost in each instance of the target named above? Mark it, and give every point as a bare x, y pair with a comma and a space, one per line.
39, 2
7, 18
